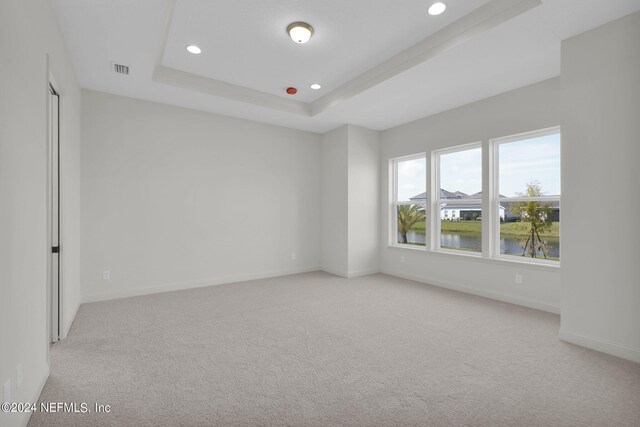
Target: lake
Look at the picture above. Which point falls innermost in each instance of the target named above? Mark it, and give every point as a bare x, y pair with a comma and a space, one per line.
508, 245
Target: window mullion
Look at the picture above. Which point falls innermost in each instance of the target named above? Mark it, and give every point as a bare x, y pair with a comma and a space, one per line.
434, 203
487, 225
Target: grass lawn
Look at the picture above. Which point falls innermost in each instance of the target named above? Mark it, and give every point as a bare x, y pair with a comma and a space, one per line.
518, 228
474, 227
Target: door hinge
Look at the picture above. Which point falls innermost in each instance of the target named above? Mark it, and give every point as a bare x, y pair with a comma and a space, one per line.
55, 249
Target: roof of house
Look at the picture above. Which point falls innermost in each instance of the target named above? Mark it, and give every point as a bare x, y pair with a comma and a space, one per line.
451, 197
477, 195
444, 195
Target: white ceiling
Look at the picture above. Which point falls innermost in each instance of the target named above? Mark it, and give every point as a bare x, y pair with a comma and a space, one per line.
380, 64
246, 42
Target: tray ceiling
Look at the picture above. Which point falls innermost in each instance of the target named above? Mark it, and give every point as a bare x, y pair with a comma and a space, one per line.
381, 62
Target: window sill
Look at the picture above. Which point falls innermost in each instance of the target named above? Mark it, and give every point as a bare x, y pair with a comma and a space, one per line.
508, 261
409, 247
504, 261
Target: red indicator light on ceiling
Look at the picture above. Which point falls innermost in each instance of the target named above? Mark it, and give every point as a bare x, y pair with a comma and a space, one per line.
292, 90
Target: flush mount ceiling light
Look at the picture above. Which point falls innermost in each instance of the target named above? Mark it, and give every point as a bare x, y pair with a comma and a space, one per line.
437, 8
316, 86
192, 48
300, 32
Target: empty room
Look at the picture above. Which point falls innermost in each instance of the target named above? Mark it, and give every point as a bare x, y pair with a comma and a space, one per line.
319, 213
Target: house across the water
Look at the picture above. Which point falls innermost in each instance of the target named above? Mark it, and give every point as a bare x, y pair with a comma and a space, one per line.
457, 206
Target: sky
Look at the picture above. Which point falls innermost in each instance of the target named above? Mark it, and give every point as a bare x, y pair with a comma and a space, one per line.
535, 159
412, 178
521, 162
462, 171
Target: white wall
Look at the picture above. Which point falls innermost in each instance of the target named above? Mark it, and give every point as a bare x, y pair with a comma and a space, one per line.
364, 200
174, 198
70, 206
526, 109
335, 193
350, 201
601, 153
28, 33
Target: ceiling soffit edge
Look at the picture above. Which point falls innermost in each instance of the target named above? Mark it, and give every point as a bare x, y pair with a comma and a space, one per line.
479, 21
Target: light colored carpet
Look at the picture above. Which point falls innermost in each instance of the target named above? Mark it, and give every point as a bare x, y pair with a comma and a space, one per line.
316, 349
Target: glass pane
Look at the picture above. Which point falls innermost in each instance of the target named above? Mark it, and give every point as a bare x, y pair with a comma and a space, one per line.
412, 180
461, 179
532, 230
411, 226
463, 234
530, 167
461, 174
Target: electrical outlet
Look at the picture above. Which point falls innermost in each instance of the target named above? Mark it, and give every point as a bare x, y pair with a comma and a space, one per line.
7, 391
402, 259
293, 256
106, 275
519, 279
19, 375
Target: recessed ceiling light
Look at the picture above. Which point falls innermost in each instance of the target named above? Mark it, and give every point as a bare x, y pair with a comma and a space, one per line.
192, 48
437, 8
300, 32
316, 86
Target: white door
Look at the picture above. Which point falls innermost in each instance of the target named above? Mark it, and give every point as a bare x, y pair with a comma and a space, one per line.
54, 167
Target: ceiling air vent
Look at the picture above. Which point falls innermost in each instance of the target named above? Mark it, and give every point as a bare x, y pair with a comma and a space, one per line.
120, 69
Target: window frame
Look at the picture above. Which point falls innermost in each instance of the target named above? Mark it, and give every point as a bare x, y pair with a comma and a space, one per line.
496, 200
394, 202
436, 202
490, 202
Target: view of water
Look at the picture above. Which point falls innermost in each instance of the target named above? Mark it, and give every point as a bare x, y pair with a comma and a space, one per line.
461, 241
508, 244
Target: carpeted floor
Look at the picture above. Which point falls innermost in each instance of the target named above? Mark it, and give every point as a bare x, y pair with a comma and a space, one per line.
316, 349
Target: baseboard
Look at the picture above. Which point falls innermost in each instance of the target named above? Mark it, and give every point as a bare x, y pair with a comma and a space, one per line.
525, 302
361, 273
603, 346
335, 272
34, 399
350, 274
169, 287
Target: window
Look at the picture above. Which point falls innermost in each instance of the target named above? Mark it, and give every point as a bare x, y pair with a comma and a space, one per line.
516, 217
459, 184
527, 195
408, 207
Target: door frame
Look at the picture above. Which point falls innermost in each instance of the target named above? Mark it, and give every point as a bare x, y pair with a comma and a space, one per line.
54, 269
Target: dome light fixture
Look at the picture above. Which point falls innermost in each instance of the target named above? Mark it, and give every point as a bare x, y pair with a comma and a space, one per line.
437, 8
300, 32
316, 86
192, 48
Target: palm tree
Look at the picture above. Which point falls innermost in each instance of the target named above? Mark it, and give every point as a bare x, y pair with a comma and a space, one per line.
408, 216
